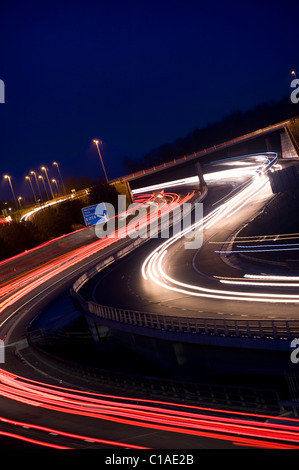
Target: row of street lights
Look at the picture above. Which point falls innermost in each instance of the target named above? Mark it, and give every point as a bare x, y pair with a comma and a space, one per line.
41, 178
37, 178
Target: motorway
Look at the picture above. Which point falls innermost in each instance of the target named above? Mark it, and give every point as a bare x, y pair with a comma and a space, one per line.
166, 278
43, 407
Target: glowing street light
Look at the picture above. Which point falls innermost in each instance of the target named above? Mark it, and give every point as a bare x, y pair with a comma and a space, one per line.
45, 170
19, 201
293, 73
55, 182
42, 178
7, 177
57, 166
30, 182
97, 144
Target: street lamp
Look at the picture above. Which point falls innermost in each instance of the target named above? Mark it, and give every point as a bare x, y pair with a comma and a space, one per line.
45, 170
55, 182
36, 180
57, 166
7, 177
29, 179
19, 201
293, 73
97, 144
42, 178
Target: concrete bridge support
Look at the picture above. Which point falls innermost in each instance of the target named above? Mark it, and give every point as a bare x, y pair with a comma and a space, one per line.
202, 183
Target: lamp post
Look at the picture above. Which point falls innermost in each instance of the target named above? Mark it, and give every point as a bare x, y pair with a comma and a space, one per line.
55, 182
45, 170
19, 201
42, 178
97, 144
36, 180
30, 182
7, 177
57, 166
293, 73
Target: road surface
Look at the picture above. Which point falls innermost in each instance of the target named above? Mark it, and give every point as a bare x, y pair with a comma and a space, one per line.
41, 407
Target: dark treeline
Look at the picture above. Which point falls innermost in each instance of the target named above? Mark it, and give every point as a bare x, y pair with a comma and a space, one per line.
52, 222
234, 125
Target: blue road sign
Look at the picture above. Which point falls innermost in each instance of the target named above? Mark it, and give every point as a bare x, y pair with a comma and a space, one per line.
95, 214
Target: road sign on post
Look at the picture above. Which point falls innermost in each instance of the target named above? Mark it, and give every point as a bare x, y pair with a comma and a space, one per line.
95, 214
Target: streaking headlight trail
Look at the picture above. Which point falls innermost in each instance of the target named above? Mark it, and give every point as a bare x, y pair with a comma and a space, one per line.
152, 267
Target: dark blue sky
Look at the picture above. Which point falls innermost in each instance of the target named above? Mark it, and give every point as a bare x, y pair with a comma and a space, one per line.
137, 74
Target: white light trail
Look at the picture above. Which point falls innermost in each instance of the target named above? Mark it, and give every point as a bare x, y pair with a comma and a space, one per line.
257, 283
235, 174
152, 266
268, 246
255, 251
271, 277
37, 209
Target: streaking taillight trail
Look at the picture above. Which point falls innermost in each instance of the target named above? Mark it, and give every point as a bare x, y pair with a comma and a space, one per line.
237, 428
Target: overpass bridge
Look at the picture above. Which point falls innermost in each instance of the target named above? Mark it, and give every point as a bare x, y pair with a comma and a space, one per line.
166, 171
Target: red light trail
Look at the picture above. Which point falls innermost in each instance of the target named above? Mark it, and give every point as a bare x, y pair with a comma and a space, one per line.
248, 429
237, 428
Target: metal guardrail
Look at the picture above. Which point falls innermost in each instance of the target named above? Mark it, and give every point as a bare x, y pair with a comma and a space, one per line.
267, 329
263, 329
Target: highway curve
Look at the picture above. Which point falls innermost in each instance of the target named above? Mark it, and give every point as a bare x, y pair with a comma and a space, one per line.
188, 282
43, 407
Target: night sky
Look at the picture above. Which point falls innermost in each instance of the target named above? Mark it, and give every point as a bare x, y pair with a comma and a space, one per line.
135, 74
